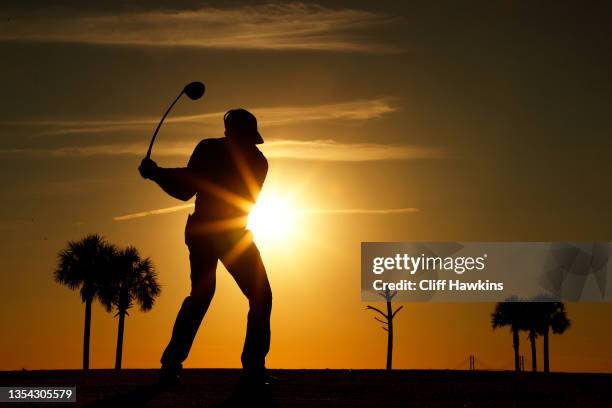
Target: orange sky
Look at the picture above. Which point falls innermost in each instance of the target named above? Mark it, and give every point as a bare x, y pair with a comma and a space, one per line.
489, 124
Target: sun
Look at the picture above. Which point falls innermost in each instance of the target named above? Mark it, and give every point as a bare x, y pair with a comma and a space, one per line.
273, 219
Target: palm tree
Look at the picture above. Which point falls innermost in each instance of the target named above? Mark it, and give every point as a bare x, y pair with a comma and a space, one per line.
532, 335
554, 317
133, 281
532, 323
510, 313
388, 322
84, 265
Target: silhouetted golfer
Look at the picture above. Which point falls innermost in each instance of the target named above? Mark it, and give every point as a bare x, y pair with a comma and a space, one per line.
226, 175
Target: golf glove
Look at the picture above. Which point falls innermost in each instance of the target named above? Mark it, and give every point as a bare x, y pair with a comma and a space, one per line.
148, 168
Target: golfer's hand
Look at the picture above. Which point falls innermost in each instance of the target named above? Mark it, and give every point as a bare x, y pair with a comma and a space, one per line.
148, 168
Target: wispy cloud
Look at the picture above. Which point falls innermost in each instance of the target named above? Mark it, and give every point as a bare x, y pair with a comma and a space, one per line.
364, 211
363, 109
319, 150
322, 149
330, 150
338, 211
158, 211
293, 26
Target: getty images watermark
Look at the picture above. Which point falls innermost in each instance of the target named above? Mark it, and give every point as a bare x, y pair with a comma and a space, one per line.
486, 271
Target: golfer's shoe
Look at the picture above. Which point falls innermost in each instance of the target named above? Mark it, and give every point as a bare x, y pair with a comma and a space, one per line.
270, 379
169, 377
260, 379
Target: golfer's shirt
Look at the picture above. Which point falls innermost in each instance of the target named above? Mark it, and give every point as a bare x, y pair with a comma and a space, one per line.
227, 179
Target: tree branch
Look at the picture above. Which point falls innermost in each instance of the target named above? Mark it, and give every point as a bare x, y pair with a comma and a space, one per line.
380, 320
376, 310
397, 310
388, 296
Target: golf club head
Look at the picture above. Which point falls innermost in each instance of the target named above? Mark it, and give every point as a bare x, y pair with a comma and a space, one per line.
194, 90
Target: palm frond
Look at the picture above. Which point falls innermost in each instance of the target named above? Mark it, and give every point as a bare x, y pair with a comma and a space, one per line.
81, 265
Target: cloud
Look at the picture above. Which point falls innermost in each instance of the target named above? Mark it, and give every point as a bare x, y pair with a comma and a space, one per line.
362, 109
326, 150
330, 150
365, 211
318, 150
158, 211
338, 211
293, 26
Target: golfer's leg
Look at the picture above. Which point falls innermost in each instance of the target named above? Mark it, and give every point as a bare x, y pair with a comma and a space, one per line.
194, 307
249, 272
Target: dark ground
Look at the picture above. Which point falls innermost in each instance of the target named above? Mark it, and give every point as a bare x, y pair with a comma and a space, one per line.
328, 388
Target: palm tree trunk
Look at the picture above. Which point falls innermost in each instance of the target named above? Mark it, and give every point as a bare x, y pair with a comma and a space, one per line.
119, 353
515, 344
86, 333
389, 336
532, 340
546, 361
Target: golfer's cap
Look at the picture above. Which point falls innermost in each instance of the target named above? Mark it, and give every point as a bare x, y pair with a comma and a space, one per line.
244, 124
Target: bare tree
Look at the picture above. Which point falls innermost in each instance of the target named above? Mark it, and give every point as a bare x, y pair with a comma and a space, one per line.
387, 322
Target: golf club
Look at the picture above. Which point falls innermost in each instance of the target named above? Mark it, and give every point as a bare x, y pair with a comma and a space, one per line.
193, 90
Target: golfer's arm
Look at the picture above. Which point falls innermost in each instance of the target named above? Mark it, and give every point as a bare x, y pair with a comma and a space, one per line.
177, 182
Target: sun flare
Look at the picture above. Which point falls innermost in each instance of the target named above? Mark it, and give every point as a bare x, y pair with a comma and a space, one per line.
273, 219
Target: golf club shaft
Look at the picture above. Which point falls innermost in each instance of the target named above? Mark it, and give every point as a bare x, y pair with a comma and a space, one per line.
160, 123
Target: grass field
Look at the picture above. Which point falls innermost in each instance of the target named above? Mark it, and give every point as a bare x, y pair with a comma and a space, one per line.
328, 388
